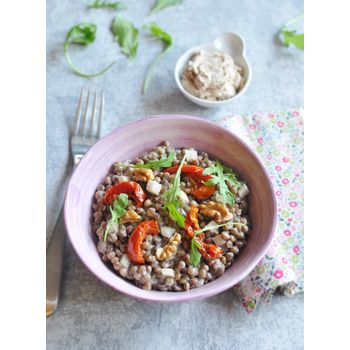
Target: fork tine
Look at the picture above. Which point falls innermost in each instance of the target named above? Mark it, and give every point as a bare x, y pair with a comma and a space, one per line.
92, 120
78, 113
102, 102
86, 112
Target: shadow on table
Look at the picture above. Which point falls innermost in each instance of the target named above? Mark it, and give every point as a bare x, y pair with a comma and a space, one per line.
80, 287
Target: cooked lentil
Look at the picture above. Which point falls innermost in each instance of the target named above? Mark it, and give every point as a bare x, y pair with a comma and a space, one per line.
175, 274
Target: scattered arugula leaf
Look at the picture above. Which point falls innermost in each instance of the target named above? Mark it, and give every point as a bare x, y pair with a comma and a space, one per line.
114, 5
117, 210
82, 34
162, 4
167, 40
171, 201
126, 35
221, 174
164, 162
291, 37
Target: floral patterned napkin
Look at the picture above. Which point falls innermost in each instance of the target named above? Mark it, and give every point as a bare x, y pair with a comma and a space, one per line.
278, 140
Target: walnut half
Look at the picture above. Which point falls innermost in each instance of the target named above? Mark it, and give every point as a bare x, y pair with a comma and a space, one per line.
169, 249
217, 211
130, 216
144, 175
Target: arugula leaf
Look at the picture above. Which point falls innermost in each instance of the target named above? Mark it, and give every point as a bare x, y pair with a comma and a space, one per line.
117, 210
126, 35
231, 177
171, 201
158, 32
114, 5
167, 40
195, 256
291, 37
162, 4
174, 190
164, 162
174, 214
221, 174
82, 34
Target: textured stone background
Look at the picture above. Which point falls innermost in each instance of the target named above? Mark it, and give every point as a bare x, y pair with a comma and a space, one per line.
92, 315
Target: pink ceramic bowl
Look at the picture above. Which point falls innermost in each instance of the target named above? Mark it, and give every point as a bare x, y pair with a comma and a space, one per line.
182, 131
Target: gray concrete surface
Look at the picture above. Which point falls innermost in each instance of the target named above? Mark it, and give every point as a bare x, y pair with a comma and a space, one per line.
90, 314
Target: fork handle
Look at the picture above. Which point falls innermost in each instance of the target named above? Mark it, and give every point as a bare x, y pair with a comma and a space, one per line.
54, 264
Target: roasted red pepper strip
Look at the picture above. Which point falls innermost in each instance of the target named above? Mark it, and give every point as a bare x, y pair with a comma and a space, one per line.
187, 169
131, 188
210, 251
194, 172
138, 235
203, 192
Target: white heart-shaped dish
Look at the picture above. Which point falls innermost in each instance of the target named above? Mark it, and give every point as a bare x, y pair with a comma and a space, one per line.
230, 43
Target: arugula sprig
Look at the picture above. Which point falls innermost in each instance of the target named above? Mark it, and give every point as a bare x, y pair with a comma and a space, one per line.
164, 162
291, 37
220, 174
211, 227
195, 256
162, 4
114, 5
171, 198
126, 35
82, 34
117, 210
167, 40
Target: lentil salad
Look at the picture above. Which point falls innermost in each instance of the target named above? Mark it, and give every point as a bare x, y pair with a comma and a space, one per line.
172, 220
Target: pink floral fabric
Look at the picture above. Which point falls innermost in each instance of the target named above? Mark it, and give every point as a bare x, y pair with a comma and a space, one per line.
278, 140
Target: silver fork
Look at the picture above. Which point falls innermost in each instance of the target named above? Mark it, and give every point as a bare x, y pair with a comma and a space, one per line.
82, 138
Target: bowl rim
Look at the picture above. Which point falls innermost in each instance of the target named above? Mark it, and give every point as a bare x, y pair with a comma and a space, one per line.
179, 68
172, 297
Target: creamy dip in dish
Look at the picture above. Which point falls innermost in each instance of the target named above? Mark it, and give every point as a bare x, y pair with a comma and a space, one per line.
212, 76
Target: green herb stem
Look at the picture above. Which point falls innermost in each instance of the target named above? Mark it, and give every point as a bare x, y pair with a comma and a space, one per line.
108, 227
207, 228
81, 73
171, 202
160, 34
82, 34
150, 69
